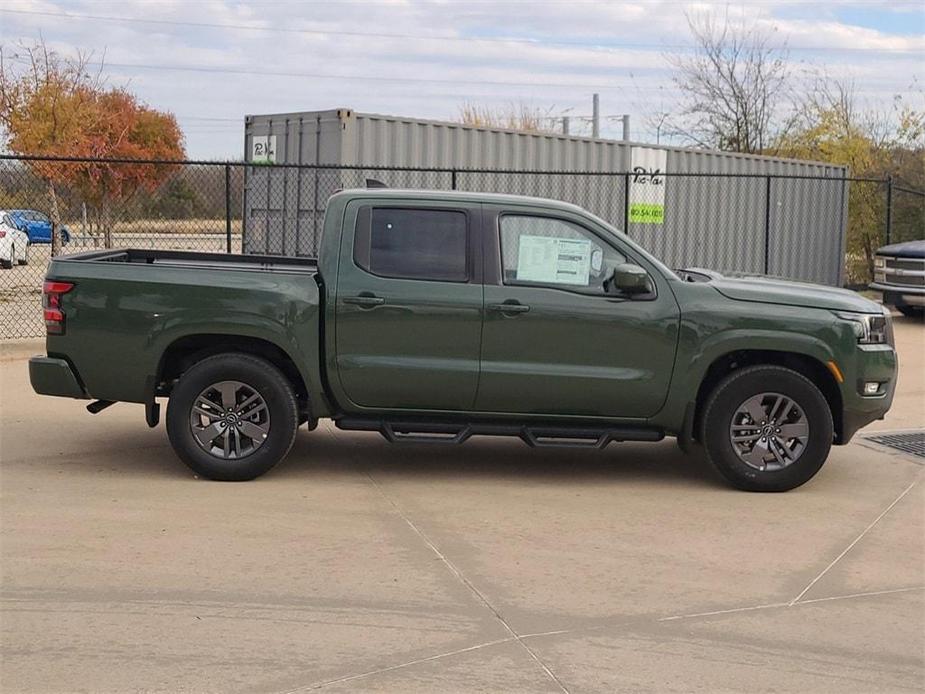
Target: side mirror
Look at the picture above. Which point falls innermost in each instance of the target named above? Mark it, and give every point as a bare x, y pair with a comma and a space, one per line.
630, 279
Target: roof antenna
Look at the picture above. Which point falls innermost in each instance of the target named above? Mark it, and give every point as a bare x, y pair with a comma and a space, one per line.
373, 183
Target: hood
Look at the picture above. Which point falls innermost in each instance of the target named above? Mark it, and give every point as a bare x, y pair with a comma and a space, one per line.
773, 291
909, 249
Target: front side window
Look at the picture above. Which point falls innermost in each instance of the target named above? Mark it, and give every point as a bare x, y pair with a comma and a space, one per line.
544, 251
413, 244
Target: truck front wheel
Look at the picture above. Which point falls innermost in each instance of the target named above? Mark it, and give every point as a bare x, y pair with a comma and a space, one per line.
767, 429
232, 417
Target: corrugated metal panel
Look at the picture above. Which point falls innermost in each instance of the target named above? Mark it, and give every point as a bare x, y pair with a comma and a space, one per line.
709, 221
392, 141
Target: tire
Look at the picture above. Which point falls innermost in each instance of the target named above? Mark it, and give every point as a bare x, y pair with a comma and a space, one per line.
911, 311
248, 453
24, 260
7, 264
771, 467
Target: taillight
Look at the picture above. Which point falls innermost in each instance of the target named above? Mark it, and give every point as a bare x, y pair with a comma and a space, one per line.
2, 234
52, 292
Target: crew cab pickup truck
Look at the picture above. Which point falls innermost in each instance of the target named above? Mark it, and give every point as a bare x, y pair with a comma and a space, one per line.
435, 316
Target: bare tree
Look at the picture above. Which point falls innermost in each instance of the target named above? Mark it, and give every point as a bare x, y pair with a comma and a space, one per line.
512, 117
732, 86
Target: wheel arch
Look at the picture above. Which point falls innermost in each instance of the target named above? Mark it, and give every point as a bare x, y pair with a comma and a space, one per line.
185, 351
803, 364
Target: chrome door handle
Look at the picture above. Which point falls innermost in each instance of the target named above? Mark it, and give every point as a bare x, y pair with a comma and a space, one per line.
367, 300
509, 308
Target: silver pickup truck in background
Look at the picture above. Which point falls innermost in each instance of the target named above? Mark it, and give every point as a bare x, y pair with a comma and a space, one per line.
899, 272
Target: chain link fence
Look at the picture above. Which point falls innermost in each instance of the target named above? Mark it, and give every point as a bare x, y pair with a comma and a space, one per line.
796, 227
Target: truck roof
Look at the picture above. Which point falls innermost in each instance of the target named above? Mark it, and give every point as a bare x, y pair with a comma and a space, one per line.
457, 195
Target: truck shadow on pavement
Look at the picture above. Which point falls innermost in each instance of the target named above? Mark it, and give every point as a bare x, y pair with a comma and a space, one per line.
492, 459
147, 454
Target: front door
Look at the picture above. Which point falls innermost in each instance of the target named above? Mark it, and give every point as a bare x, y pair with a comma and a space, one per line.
556, 339
408, 308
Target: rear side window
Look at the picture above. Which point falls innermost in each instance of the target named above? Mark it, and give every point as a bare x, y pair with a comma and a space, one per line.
413, 244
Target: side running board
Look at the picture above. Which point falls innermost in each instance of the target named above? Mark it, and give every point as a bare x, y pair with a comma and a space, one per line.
536, 435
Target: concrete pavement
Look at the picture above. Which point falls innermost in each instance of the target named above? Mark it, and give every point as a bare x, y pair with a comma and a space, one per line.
356, 565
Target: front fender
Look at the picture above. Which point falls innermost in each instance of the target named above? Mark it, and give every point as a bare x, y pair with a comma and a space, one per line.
715, 331
719, 345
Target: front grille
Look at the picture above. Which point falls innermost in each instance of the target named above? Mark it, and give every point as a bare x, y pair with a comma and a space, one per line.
911, 442
908, 280
905, 263
903, 272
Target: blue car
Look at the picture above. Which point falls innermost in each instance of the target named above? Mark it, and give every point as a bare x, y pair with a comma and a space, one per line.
37, 225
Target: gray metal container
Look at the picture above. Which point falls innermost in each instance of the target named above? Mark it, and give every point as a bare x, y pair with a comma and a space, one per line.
726, 217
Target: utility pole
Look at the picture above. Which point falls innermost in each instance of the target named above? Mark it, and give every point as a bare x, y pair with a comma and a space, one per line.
596, 116
662, 119
565, 125
626, 127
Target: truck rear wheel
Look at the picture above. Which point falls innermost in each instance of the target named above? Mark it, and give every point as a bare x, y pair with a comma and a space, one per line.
232, 417
767, 429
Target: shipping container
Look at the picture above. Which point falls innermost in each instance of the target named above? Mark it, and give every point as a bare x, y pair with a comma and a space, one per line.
727, 211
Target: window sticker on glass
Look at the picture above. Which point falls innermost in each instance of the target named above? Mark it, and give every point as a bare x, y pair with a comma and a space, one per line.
554, 260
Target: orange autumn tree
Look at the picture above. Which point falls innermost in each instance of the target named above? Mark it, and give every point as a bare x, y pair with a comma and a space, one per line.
54, 106
128, 130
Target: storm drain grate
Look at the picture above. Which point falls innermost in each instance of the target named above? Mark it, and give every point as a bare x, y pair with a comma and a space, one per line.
912, 442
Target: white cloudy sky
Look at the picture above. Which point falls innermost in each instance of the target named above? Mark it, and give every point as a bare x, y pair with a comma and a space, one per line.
213, 61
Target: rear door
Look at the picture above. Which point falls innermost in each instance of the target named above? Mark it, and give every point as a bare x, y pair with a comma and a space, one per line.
556, 340
408, 307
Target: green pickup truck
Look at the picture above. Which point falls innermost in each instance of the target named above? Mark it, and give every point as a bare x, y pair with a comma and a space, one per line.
434, 316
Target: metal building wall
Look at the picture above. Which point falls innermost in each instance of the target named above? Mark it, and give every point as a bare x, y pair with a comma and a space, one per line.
710, 221
284, 207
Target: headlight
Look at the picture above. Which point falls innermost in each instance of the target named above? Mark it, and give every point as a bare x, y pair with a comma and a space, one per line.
869, 328
879, 261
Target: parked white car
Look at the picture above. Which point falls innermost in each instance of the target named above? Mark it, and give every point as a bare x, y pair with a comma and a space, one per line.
14, 244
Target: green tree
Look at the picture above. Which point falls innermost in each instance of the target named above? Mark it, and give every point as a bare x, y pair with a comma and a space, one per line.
833, 128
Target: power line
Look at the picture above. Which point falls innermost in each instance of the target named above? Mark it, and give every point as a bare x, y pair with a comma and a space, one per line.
379, 78
596, 47
375, 78
368, 78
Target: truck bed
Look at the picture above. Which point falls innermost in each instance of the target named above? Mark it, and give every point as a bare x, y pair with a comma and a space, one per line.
128, 307
196, 259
